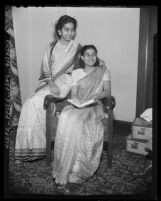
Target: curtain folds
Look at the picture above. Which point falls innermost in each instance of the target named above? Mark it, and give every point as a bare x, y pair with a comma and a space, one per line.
12, 89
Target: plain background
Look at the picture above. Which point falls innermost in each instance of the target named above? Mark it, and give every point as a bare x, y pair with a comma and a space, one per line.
114, 31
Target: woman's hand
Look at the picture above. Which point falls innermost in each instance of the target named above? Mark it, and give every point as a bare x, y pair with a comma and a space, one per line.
102, 62
101, 95
54, 88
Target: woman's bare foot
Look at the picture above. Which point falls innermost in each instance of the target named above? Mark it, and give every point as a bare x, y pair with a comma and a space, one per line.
63, 188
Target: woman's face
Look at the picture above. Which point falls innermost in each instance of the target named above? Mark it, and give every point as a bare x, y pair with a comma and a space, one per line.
67, 32
89, 57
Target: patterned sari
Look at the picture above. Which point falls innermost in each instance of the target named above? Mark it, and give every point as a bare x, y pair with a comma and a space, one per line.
80, 133
31, 139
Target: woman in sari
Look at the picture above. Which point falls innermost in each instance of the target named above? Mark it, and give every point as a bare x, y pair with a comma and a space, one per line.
80, 132
60, 58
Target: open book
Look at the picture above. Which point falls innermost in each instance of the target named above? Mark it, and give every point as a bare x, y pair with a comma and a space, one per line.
81, 104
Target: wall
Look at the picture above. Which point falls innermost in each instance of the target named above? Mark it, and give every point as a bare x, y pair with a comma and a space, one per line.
22, 44
34, 29
114, 31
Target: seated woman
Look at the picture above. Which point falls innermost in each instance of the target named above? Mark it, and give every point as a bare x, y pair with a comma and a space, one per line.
60, 57
80, 132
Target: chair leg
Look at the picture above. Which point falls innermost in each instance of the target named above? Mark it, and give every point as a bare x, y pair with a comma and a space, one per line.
109, 155
50, 112
48, 137
48, 156
110, 139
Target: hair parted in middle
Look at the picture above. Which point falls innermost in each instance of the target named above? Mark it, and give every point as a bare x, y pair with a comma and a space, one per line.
82, 51
64, 20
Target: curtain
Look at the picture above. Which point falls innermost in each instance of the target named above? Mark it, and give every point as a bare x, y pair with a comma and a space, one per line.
12, 89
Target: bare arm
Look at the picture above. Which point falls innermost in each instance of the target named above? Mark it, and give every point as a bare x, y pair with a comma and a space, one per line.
106, 90
45, 64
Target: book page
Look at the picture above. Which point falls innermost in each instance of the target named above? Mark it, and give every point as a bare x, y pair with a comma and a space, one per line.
81, 104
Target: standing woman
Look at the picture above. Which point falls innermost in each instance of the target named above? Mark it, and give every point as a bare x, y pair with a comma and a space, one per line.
60, 58
80, 132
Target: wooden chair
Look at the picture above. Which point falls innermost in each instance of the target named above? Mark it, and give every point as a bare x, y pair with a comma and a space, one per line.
51, 123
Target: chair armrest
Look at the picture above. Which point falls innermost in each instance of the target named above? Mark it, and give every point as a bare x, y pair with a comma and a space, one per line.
109, 102
51, 99
108, 105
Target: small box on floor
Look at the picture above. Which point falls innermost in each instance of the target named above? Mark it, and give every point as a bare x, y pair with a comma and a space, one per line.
141, 129
136, 145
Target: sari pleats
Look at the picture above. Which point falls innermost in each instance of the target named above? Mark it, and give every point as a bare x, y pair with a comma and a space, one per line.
79, 138
31, 137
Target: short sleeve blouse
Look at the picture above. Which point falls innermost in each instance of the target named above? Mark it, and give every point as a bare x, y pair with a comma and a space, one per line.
79, 74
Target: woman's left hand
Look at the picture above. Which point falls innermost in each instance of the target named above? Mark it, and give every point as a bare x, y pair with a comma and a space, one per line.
54, 88
102, 62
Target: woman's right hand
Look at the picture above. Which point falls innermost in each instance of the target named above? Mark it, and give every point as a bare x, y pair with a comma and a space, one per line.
54, 88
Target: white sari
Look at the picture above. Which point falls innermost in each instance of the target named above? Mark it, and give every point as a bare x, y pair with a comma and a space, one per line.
80, 133
31, 139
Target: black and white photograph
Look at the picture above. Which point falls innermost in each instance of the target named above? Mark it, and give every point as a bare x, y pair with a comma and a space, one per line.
80, 101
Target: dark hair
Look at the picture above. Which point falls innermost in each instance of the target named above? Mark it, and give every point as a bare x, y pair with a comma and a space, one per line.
64, 20
83, 49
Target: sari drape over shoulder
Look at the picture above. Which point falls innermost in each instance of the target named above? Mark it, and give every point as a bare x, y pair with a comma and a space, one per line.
80, 132
57, 68
58, 62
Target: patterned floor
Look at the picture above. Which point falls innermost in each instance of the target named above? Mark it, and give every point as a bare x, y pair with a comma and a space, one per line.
35, 178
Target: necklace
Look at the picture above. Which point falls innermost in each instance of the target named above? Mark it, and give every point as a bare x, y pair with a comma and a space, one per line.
64, 44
